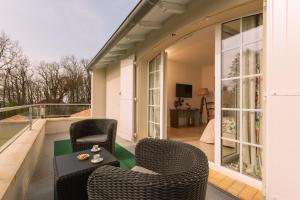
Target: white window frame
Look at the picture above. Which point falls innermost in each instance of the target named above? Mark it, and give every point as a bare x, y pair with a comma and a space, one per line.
162, 92
218, 110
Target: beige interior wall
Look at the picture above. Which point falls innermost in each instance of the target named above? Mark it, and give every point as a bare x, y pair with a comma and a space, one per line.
98, 99
178, 72
113, 92
198, 76
208, 80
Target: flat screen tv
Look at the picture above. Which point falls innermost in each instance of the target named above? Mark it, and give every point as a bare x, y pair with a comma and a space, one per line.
184, 90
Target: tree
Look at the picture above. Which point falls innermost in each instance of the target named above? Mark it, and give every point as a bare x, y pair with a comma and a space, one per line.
66, 81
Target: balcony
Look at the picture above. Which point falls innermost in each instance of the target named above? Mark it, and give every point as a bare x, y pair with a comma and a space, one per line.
27, 140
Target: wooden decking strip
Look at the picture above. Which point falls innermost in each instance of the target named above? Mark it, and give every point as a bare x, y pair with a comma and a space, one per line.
234, 187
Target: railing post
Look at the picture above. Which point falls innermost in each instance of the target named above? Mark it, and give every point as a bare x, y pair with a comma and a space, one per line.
30, 117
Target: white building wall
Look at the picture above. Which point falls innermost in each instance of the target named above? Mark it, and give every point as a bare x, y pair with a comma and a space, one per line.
283, 100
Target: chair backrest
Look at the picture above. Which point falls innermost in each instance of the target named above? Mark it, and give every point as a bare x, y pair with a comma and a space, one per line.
95, 126
170, 157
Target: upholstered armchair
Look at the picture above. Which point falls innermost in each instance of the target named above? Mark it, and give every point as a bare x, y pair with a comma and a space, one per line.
180, 171
86, 133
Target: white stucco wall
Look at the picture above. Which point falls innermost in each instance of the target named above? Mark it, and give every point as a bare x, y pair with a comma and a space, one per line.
283, 97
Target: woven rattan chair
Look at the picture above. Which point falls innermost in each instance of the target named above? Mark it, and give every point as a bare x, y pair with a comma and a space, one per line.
86, 133
182, 174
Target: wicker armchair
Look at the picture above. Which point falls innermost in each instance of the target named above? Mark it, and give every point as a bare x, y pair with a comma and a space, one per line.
86, 133
182, 168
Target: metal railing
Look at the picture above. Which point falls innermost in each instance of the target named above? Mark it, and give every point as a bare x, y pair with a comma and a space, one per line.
15, 120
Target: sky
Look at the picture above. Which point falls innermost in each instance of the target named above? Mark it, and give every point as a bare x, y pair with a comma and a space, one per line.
50, 29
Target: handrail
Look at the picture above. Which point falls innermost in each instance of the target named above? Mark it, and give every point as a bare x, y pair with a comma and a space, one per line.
4, 109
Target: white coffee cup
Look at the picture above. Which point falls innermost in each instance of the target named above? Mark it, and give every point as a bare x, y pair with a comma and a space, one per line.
96, 156
95, 147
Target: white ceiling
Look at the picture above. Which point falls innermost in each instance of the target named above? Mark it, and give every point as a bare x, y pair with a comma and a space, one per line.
195, 49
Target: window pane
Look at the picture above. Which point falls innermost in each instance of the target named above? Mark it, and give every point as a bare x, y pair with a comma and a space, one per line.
230, 124
231, 63
231, 155
154, 80
154, 97
252, 92
252, 127
252, 59
154, 113
231, 34
152, 66
252, 161
231, 94
252, 28
153, 130
158, 61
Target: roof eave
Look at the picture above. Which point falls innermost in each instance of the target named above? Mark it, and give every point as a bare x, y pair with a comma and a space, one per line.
141, 9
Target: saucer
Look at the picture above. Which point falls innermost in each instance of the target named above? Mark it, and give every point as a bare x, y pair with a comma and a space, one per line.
96, 160
96, 150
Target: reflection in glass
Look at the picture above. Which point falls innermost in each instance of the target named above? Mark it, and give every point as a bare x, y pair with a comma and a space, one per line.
154, 98
252, 28
252, 127
252, 92
154, 80
230, 93
231, 34
252, 59
231, 155
153, 130
154, 114
230, 124
252, 161
231, 63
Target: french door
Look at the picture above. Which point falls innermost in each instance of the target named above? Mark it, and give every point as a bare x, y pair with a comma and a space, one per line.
156, 100
241, 95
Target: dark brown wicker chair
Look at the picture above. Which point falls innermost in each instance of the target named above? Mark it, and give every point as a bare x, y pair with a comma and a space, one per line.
182, 168
86, 133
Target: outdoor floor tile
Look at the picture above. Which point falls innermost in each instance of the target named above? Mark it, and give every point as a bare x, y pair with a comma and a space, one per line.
217, 178
225, 183
258, 196
212, 173
248, 193
236, 188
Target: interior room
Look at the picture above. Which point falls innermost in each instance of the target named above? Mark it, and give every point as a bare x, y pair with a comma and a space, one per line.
190, 90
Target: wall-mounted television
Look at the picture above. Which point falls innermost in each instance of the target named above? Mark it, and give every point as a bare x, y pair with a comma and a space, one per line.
184, 90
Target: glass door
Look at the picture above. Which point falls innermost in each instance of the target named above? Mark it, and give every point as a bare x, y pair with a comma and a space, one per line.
155, 97
241, 93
